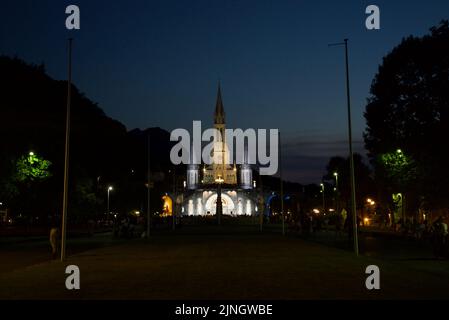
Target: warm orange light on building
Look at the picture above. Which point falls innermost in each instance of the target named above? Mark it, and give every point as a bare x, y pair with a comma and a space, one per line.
167, 206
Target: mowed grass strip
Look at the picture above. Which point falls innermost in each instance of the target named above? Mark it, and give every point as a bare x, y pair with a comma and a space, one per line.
222, 266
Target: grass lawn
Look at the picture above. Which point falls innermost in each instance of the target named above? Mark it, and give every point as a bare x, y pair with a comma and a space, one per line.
212, 264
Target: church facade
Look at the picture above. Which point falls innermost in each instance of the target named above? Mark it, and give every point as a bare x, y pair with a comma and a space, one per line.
236, 181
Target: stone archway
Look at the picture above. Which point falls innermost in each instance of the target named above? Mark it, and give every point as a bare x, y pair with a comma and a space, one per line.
228, 204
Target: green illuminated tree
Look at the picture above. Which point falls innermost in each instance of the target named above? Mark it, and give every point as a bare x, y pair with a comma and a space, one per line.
399, 168
32, 168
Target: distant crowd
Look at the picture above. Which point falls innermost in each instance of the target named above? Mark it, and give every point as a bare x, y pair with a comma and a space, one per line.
436, 232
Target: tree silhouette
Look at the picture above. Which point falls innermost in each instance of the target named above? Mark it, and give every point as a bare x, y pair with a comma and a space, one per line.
409, 110
102, 152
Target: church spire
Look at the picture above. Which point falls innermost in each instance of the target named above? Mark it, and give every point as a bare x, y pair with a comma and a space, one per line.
219, 115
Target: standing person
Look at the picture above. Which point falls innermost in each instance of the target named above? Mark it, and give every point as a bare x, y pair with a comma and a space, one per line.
54, 235
311, 223
426, 230
90, 227
305, 224
349, 226
445, 244
444, 228
115, 227
338, 224
420, 233
439, 228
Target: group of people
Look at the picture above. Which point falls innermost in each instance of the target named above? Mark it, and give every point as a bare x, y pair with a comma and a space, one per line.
435, 233
124, 227
440, 238
309, 223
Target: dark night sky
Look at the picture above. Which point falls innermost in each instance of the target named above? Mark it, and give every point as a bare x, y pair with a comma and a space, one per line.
157, 63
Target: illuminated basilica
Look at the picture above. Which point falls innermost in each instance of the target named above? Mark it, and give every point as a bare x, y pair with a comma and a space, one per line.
237, 185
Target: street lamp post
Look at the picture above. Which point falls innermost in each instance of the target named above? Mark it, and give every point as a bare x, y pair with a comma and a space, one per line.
351, 156
401, 155
282, 185
173, 213
322, 191
261, 204
109, 190
337, 193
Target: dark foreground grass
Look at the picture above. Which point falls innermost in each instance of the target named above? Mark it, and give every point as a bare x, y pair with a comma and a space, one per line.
222, 265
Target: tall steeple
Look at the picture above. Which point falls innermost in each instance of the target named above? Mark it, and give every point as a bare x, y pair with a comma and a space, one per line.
219, 115
221, 166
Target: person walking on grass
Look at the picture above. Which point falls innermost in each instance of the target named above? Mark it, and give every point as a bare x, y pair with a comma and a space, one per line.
54, 237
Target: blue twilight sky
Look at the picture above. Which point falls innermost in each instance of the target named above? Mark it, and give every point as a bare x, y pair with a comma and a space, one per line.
157, 63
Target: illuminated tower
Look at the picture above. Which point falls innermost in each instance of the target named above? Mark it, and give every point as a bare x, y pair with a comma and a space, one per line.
221, 166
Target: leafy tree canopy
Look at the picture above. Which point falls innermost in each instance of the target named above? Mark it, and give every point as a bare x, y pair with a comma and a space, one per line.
408, 109
32, 168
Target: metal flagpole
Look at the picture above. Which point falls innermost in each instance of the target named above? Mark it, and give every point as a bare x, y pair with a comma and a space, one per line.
337, 194
351, 157
148, 189
173, 209
282, 185
66, 162
262, 204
